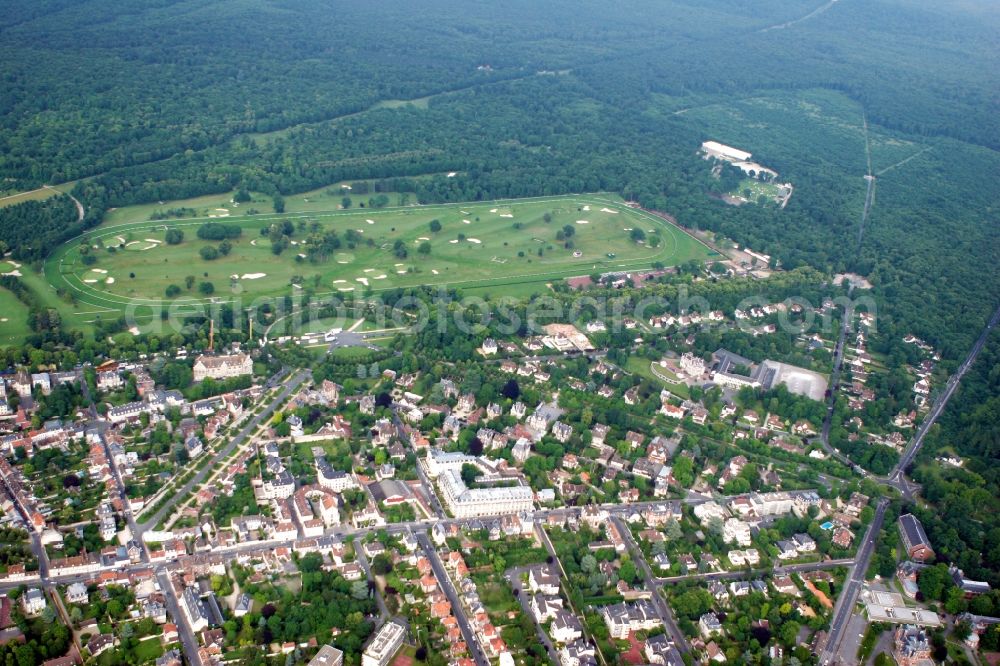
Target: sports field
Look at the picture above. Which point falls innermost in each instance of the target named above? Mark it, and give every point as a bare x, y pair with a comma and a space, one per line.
478, 244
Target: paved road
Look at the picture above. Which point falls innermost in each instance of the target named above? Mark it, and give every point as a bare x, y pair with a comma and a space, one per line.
349, 339
189, 643
853, 634
524, 598
251, 427
230, 553
544, 538
103, 426
838, 362
340, 531
897, 478
661, 606
116, 472
942, 400
456, 606
752, 573
383, 610
844, 607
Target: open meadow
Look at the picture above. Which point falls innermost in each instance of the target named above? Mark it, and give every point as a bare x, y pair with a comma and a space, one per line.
39, 194
13, 319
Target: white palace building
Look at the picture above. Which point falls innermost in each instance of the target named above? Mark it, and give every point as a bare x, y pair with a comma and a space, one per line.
465, 502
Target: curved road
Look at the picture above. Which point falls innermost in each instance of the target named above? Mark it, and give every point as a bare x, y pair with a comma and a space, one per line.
80, 212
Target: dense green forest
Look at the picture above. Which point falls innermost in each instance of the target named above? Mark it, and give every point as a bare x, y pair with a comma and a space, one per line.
100, 84
927, 241
31, 229
167, 100
965, 523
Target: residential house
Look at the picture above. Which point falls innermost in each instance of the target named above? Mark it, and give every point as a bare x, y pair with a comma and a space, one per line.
842, 537
787, 550
76, 593
624, 618
804, 543
736, 531
565, 628
709, 625
545, 607
785, 585
100, 643
33, 601
327, 656
562, 431
544, 580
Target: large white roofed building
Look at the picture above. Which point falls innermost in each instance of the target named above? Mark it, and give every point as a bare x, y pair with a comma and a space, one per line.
722, 151
465, 502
